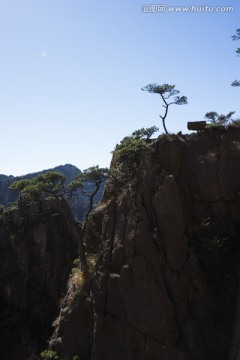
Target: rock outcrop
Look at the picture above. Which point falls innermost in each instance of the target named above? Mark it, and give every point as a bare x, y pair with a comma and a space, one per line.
37, 248
164, 285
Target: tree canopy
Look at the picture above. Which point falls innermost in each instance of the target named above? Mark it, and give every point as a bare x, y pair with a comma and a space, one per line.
217, 119
54, 184
145, 132
94, 175
166, 91
50, 183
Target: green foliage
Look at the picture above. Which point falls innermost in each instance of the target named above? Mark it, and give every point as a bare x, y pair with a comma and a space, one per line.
118, 178
75, 266
166, 91
75, 184
94, 175
33, 191
130, 149
10, 208
145, 132
216, 119
180, 100
20, 184
76, 358
160, 89
49, 354
212, 116
50, 183
76, 262
127, 156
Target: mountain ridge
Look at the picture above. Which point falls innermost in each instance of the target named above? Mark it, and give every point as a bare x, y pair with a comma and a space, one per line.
60, 168
78, 203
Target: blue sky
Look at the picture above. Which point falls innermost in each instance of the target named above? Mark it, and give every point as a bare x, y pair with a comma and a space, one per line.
71, 75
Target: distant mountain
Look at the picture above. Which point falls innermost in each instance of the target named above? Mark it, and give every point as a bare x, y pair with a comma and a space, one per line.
78, 202
4, 177
6, 195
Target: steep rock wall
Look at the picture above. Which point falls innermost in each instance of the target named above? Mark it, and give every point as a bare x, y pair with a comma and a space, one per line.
165, 282
37, 247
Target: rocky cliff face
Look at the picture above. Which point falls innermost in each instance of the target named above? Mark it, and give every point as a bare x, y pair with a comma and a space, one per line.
167, 246
37, 248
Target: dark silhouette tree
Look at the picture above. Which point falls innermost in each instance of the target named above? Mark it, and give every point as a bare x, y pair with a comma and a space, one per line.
166, 91
236, 37
145, 132
54, 184
93, 175
217, 119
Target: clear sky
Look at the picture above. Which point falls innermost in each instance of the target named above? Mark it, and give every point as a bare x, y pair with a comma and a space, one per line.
71, 75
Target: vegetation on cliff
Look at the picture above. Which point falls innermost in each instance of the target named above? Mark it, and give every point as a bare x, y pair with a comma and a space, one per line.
219, 120
166, 91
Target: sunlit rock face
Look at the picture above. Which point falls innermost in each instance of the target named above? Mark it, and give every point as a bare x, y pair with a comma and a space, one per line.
166, 246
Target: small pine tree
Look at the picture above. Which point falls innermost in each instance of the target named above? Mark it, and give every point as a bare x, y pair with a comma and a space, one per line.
166, 91
94, 175
217, 119
145, 132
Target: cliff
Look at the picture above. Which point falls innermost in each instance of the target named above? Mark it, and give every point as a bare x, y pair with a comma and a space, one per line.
37, 248
165, 244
